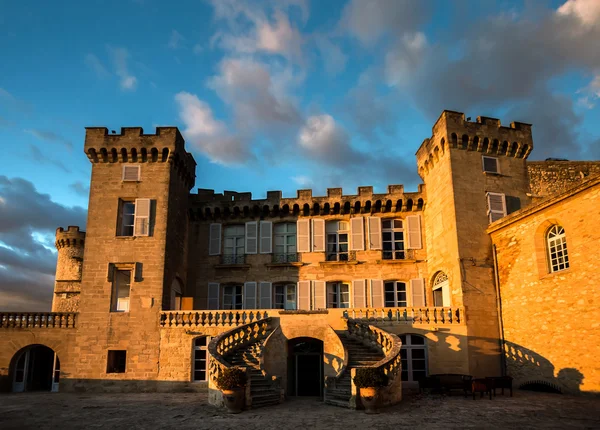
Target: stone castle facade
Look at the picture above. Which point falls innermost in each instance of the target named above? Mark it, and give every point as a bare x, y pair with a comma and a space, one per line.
486, 270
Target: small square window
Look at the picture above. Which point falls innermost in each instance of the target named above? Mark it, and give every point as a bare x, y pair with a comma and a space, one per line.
116, 361
131, 172
490, 165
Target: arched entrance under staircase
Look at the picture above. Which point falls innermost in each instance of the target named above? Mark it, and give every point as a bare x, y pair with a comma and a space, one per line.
35, 368
305, 367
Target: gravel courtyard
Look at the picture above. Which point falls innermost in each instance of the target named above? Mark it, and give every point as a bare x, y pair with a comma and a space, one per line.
185, 410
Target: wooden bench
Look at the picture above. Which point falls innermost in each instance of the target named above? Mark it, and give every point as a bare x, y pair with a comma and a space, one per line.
446, 382
501, 382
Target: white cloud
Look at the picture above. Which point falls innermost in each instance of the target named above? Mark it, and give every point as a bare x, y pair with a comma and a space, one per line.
208, 134
175, 39
120, 56
303, 181
331, 54
587, 11
96, 66
404, 60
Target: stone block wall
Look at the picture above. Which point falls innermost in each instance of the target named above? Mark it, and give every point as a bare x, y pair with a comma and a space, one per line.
554, 177
550, 320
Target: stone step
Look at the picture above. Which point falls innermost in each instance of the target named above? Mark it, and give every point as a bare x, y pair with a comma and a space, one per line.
266, 395
339, 394
336, 402
262, 404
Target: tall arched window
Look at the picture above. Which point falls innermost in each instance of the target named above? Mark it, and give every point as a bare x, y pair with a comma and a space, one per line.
441, 290
414, 359
556, 240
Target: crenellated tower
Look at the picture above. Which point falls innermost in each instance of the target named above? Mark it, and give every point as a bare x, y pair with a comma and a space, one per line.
69, 265
474, 173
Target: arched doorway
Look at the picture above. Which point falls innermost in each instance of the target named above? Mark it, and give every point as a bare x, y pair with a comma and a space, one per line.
35, 368
441, 290
305, 367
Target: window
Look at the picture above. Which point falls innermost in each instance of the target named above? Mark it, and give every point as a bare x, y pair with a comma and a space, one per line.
234, 243
131, 172
393, 239
441, 290
496, 205
120, 291
395, 294
338, 295
285, 297
490, 165
414, 358
232, 297
558, 258
116, 361
134, 217
285, 243
337, 240
200, 358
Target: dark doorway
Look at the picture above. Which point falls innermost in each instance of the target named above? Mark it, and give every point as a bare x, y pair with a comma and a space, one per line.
305, 367
36, 368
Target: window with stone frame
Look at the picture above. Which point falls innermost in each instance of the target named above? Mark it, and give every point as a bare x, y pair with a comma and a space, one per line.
116, 361
234, 247
338, 295
200, 359
556, 241
121, 290
395, 294
284, 238
284, 296
338, 233
134, 217
233, 297
392, 234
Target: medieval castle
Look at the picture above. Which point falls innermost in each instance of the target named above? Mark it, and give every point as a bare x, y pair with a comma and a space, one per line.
486, 270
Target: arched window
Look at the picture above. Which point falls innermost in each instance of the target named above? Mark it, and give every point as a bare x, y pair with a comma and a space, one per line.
441, 290
556, 240
414, 359
200, 359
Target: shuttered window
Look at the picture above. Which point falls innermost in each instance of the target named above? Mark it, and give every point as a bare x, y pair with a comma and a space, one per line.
266, 237
374, 233
359, 293
142, 217
303, 227
250, 295
417, 289
304, 295
496, 206
395, 294
392, 236
214, 247
131, 172
490, 164
357, 234
318, 238
285, 242
234, 243
319, 295
414, 232
285, 296
251, 238
126, 218
338, 295
213, 296
337, 240
376, 293
265, 295
232, 297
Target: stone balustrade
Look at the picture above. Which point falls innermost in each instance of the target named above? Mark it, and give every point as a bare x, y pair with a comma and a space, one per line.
37, 320
211, 318
410, 315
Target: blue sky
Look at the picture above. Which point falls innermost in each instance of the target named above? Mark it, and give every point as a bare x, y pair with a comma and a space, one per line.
273, 94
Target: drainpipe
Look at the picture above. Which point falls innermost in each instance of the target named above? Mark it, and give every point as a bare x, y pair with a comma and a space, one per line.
499, 310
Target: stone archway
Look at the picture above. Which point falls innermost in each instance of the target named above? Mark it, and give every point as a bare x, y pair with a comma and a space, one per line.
35, 368
305, 367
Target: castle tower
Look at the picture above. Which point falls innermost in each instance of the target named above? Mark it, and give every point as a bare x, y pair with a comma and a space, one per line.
69, 264
475, 173
137, 229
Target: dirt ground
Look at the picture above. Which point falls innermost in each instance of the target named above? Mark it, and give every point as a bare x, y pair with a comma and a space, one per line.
185, 410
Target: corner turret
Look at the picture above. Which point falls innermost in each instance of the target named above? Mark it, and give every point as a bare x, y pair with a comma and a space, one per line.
67, 285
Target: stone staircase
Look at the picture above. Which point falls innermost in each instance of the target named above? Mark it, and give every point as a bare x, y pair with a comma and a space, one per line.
359, 354
263, 390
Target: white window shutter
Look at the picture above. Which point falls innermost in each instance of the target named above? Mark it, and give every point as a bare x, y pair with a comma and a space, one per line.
131, 172
303, 232
357, 234
214, 246
414, 232
213, 295
375, 233
318, 228
266, 237
250, 295
251, 237
319, 295
446, 296
304, 295
376, 293
417, 288
358, 293
142, 217
265, 294
496, 204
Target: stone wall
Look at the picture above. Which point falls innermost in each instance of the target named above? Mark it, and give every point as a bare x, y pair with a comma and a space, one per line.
550, 320
553, 177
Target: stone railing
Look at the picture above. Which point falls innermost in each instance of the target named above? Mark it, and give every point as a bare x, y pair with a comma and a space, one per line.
37, 319
210, 318
391, 364
412, 315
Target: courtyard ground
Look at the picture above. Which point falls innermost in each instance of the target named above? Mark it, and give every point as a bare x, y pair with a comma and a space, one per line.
185, 410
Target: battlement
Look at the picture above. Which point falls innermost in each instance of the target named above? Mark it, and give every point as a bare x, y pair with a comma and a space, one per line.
131, 145
71, 237
486, 135
230, 204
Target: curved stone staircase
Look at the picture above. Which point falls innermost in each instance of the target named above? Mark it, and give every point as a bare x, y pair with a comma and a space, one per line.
243, 347
359, 354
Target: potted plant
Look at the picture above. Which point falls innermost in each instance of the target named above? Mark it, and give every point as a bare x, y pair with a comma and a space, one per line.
369, 380
232, 382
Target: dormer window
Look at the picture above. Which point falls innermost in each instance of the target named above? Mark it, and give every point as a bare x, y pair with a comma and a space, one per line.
131, 173
490, 165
